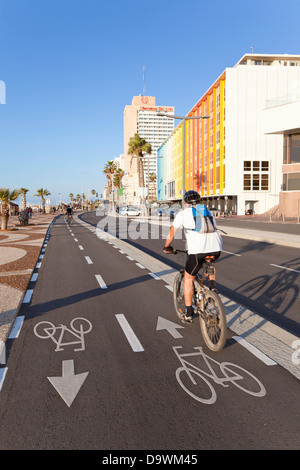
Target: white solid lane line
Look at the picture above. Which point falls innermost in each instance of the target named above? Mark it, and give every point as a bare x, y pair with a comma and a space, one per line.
283, 267
100, 281
129, 333
267, 360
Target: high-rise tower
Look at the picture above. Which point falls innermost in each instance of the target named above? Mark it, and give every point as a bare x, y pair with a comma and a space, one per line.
141, 117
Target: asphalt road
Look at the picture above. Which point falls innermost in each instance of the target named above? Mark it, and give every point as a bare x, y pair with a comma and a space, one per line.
248, 272
93, 320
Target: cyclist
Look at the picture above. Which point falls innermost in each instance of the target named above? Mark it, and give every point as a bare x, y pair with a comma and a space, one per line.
199, 246
69, 213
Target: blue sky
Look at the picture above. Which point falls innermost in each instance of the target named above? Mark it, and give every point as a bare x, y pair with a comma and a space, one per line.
71, 66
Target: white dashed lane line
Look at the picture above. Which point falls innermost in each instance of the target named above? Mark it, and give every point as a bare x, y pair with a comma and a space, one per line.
283, 267
129, 333
154, 276
101, 281
140, 266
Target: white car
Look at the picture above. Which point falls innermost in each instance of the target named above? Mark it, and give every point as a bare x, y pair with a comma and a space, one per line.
130, 211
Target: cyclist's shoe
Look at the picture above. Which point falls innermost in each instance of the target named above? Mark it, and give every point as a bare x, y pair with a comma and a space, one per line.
213, 286
187, 316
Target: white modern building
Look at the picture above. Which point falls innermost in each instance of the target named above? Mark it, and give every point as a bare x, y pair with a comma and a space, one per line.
235, 158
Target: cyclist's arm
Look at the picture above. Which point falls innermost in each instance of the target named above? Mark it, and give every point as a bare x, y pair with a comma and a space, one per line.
178, 223
169, 239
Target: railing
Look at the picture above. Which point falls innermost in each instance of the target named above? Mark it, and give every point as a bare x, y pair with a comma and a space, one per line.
281, 100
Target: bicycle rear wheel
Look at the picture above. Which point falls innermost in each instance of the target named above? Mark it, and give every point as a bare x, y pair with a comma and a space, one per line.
213, 321
178, 296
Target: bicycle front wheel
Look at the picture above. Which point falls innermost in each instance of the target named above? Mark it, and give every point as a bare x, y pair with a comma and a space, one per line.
178, 296
213, 321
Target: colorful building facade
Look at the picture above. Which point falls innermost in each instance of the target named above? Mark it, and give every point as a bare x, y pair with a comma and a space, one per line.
204, 149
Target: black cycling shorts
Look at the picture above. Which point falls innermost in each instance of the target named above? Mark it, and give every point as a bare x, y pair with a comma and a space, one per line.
194, 262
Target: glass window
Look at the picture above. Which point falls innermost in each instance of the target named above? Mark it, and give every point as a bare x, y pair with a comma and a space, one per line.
295, 148
247, 166
264, 166
256, 166
247, 182
291, 149
264, 182
255, 182
291, 182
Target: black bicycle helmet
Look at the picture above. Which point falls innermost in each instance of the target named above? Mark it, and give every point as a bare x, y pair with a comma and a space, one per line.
192, 197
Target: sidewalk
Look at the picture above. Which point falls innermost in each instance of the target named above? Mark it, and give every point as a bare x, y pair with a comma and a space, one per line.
19, 251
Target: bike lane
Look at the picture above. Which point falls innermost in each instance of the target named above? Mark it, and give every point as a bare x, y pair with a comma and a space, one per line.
128, 398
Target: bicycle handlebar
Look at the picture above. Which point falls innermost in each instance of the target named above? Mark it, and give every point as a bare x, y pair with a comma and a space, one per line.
176, 251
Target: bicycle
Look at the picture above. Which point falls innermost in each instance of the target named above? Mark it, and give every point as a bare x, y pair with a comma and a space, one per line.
68, 219
207, 304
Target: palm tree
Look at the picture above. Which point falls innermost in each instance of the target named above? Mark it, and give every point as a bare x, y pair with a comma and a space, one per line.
42, 193
138, 147
152, 180
71, 196
118, 175
6, 196
23, 203
109, 169
82, 200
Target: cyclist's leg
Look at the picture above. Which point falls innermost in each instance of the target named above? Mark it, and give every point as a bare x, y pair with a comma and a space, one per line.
210, 258
188, 289
193, 264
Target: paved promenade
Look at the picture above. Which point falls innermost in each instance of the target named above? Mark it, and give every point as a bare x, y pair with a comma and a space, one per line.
20, 248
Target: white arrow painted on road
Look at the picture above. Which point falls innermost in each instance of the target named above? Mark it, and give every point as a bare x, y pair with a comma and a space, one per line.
69, 384
171, 327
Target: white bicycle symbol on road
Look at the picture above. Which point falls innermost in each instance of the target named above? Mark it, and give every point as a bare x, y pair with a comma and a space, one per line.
232, 373
78, 328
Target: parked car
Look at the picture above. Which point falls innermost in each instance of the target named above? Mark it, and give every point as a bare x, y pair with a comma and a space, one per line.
160, 211
130, 211
172, 212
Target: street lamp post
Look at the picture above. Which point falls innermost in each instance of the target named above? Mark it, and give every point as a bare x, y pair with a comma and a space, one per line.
183, 119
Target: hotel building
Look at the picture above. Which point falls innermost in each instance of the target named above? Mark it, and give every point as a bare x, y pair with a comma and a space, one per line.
247, 154
141, 118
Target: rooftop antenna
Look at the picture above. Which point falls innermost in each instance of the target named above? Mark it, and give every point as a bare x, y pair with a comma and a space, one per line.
143, 80
251, 49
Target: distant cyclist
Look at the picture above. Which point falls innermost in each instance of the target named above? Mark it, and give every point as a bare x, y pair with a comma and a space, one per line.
203, 240
69, 214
